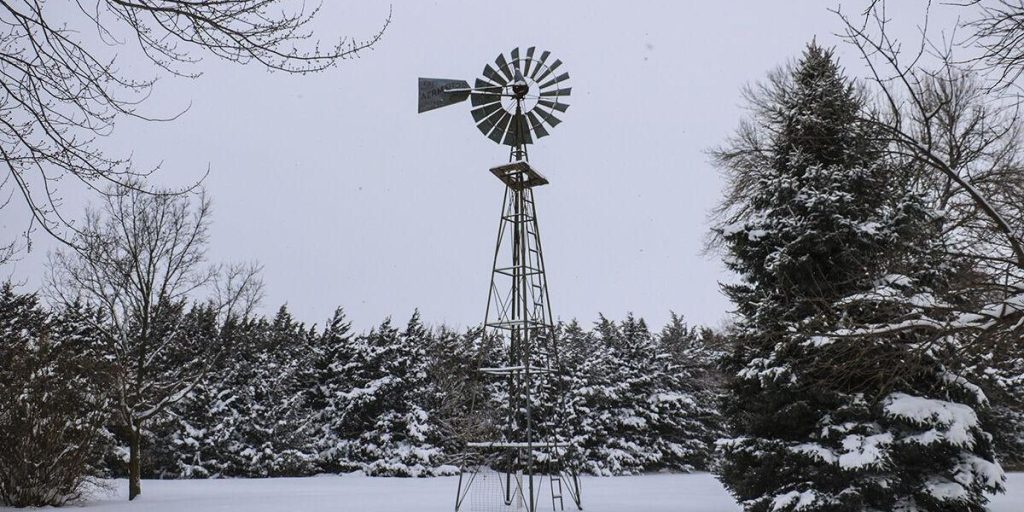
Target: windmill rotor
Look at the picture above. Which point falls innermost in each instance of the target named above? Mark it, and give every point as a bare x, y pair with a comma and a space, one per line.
517, 100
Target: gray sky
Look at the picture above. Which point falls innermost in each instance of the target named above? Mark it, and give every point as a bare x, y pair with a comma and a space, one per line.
348, 197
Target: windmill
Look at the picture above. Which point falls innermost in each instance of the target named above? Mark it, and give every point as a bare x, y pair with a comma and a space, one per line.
517, 101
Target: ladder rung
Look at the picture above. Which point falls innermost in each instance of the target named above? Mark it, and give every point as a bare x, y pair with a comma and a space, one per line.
515, 370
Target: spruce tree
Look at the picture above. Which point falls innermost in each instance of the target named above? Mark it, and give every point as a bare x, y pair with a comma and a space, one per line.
818, 226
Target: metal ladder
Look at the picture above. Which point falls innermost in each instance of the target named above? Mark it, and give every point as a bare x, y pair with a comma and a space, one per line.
556, 494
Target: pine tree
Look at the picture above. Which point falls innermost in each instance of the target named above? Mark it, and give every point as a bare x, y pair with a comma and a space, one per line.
186, 441
326, 384
281, 442
387, 427
688, 387
583, 383
818, 227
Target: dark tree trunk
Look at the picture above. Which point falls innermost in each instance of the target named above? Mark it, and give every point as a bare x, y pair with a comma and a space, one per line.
134, 463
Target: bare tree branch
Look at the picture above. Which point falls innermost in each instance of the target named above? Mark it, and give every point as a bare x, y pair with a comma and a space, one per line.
59, 95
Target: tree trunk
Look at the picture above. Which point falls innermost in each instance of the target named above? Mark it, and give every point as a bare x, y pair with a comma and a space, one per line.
134, 464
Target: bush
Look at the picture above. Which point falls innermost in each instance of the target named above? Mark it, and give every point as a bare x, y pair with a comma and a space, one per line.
52, 404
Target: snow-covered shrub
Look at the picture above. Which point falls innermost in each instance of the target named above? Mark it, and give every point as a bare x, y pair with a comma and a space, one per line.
53, 403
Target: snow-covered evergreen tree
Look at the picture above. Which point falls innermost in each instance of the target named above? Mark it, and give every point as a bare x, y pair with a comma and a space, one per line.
217, 416
634, 401
276, 442
387, 427
630, 411
326, 384
186, 441
688, 388
822, 233
287, 401
456, 394
588, 388
247, 417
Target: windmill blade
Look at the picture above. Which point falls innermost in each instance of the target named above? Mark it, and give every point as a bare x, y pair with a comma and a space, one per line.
547, 72
548, 118
503, 67
498, 133
528, 61
488, 123
560, 78
478, 98
536, 125
481, 113
540, 64
493, 75
519, 132
483, 83
435, 93
517, 63
561, 107
557, 92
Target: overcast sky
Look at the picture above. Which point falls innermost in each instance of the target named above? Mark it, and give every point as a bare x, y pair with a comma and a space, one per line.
349, 198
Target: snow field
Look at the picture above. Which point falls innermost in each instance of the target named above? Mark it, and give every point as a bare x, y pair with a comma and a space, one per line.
697, 492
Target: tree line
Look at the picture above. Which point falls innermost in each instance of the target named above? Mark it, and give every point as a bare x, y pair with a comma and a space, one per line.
279, 398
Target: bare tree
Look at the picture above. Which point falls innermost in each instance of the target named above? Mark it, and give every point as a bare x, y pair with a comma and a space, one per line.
997, 29
60, 91
964, 139
140, 259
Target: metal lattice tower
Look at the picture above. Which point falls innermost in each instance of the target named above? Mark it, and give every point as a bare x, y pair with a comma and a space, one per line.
515, 102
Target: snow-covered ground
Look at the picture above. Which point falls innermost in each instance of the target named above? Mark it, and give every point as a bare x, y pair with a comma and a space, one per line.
650, 493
